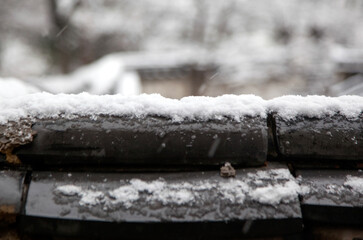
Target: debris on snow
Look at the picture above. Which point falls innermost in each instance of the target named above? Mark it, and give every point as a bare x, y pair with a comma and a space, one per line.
227, 170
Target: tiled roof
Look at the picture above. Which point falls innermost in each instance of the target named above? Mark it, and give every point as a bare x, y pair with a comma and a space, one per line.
139, 176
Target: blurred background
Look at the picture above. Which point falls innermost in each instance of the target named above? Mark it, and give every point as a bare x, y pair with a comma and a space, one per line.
182, 47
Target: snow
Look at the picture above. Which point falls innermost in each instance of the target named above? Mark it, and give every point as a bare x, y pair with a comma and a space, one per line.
100, 77
179, 197
275, 194
69, 190
130, 84
347, 55
150, 187
304, 190
288, 107
64, 7
356, 183
239, 35
11, 87
91, 198
19, 59
234, 191
280, 174
88, 197
271, 174
46, 105
124, 195
274, 187
284, 188
347, 192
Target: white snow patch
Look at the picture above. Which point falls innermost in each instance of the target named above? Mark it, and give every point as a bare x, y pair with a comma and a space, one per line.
11, 87
273, 187
356, 183
69, 190
274, 194
130, 84
281, 174
88, 197
202, 186
273, 174
234, 190
98, 77
151, 187
124, 195
333, 188
304, 190
180, 196
259, 175
288, 107
91, 198
160, 191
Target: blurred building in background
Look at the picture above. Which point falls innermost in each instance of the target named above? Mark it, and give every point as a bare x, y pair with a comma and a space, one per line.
182, 47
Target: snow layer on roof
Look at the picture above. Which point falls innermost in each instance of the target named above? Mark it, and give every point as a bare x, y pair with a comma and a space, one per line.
269, 187
274, 194
69, 190
45, 105
288, 107
356, 183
